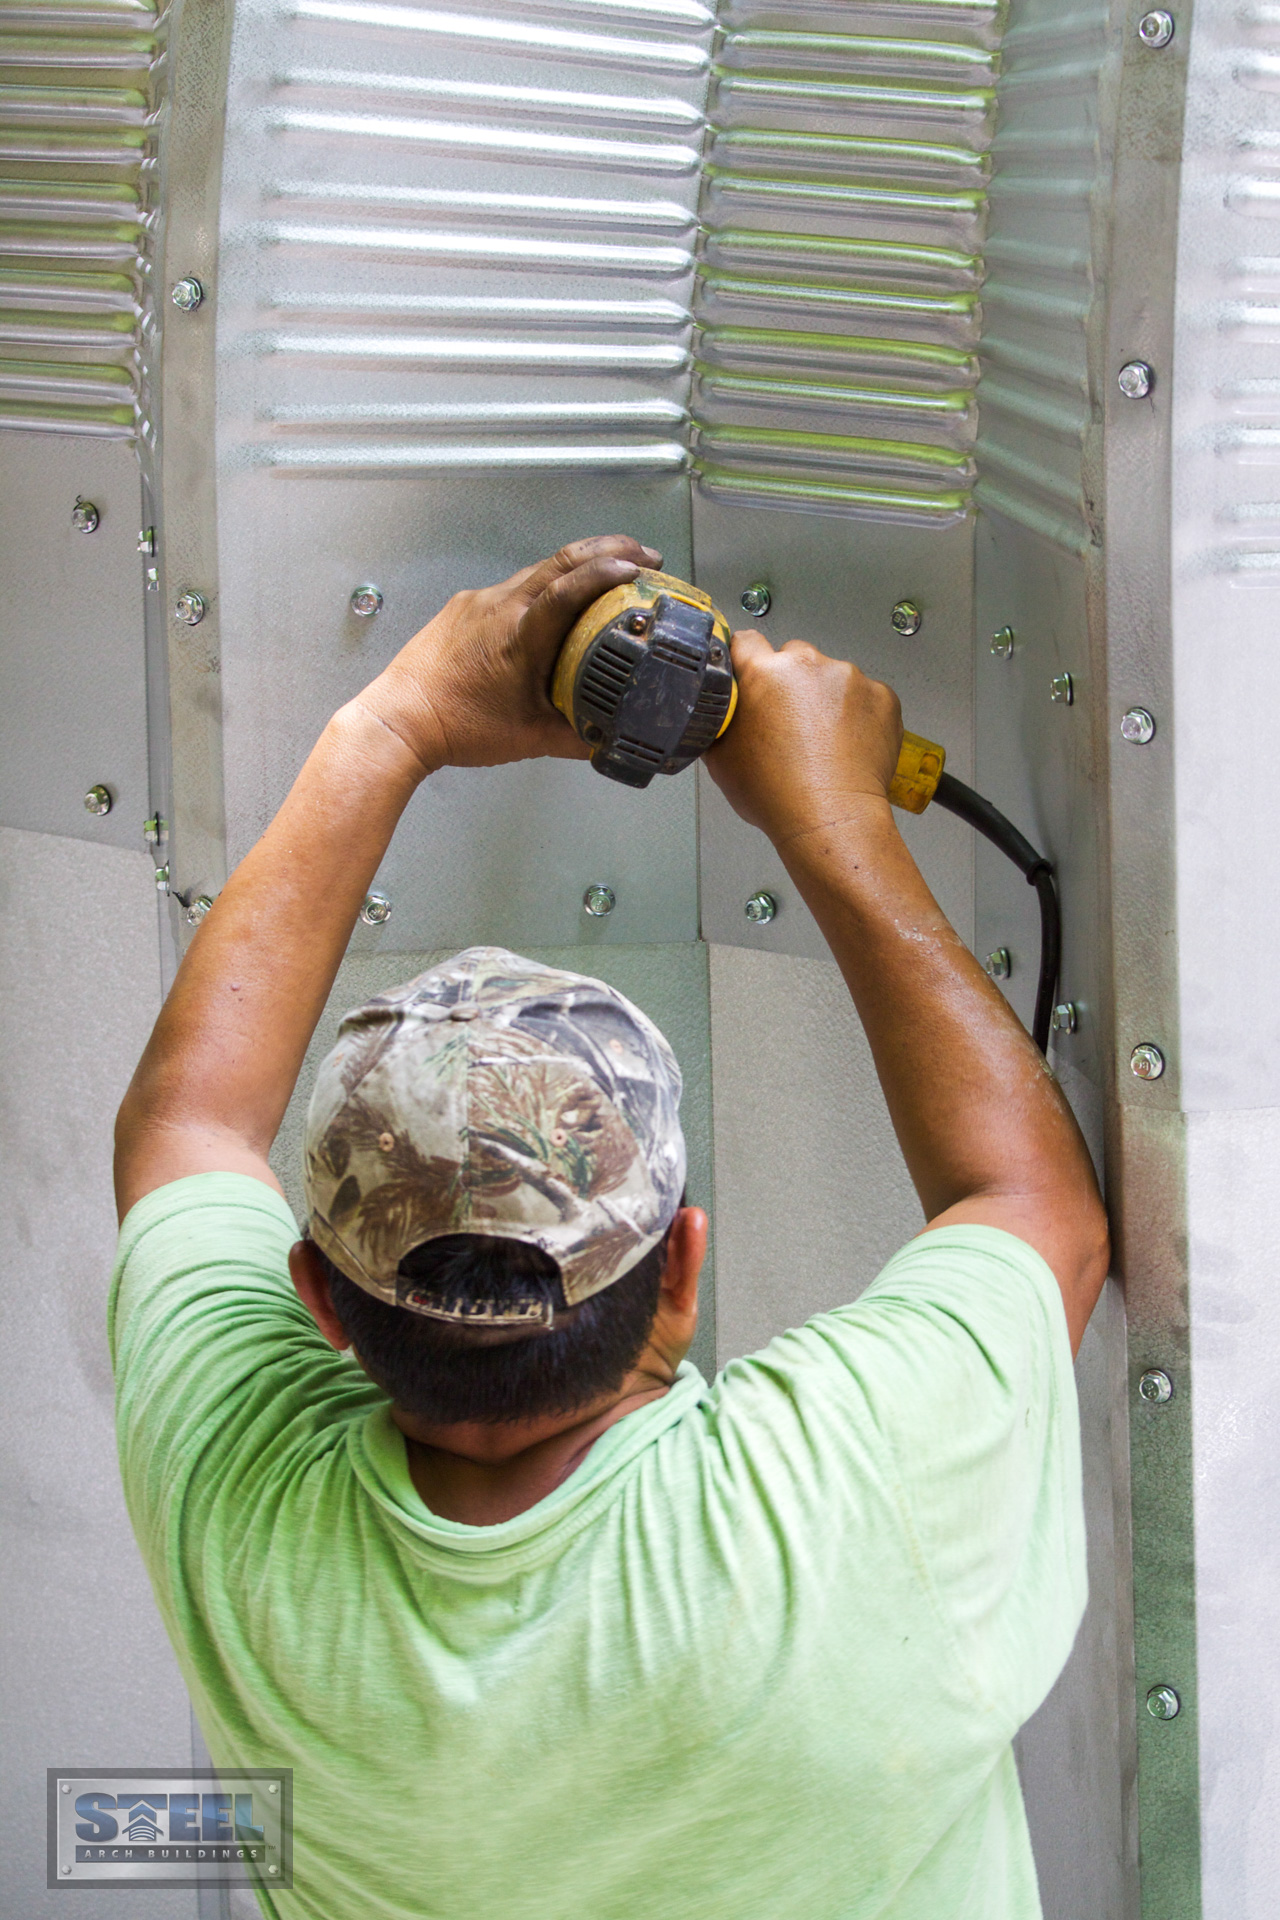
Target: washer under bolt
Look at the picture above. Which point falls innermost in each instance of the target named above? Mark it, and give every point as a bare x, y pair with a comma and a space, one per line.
906, 617
187, 293
85, 516
376, 910
998, 964
97, 800
366, 601
189, 608
1163, 1703
761, 908
757, 600
1065, 1019
1136, 379
1137, 726
598, 900
1155, 1387
1146, 1061
196, 912
1062, 690
1002, 643
1155, 29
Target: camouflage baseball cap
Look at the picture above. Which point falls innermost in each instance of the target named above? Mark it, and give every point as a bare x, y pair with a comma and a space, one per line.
495, 1096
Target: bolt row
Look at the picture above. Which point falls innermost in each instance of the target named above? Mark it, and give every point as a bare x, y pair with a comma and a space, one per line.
597, 902
1137, 729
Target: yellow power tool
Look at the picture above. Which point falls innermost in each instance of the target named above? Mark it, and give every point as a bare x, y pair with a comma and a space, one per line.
645, 679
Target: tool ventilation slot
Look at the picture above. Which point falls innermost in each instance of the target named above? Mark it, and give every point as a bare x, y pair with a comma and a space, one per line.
604, 680
677, 653
705, 721
637, 750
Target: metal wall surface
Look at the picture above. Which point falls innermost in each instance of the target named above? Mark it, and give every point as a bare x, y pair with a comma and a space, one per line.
843, 209
73, 702
80, 94
452, 331
1042, 721
1225, 407
88, 1673
834, 581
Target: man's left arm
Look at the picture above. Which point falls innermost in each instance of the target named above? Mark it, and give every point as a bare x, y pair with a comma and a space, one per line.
470, 689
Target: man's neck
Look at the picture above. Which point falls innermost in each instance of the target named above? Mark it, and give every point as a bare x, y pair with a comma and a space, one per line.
482, 1474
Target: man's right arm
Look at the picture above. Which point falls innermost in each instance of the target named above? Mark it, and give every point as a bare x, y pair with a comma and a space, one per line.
987, 1136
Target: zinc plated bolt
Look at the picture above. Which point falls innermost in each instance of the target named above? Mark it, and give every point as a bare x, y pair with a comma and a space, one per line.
154, 830
998, 963
757, 600
376, 910
761, 908
1062, 690
1136, 379
1155, 29
1137, 726
906, 617
366, 601
153, 580
196, 912
598, 900
187, 293
1163, 1703
189, 608
162, 879
1065, 1017
85, 516
1146, 1061
1155, 1387
97, 800
147, 540
1002, 643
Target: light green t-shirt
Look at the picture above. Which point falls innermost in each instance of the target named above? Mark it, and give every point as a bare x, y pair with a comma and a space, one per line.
760, 1657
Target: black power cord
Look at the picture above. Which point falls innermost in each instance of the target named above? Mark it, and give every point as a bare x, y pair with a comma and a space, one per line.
991, 823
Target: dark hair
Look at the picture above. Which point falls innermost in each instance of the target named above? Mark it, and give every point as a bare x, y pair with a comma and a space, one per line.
432, 1370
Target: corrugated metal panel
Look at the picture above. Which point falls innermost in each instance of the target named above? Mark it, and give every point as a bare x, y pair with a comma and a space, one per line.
1035, 400
79, 86
470, 238
838, 289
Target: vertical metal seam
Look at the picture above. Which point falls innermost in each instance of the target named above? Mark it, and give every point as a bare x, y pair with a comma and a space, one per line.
191, 154
1145, 1147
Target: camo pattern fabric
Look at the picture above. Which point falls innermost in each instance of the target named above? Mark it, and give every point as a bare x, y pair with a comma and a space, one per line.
493, 1095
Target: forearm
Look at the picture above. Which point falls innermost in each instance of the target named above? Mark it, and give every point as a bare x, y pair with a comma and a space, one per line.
977, 1112
221, 1064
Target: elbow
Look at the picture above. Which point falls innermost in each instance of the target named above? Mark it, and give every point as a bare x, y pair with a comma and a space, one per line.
1097, 1253
1092, 1264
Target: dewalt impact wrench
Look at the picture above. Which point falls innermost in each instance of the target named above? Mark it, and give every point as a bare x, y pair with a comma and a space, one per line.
645, 678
